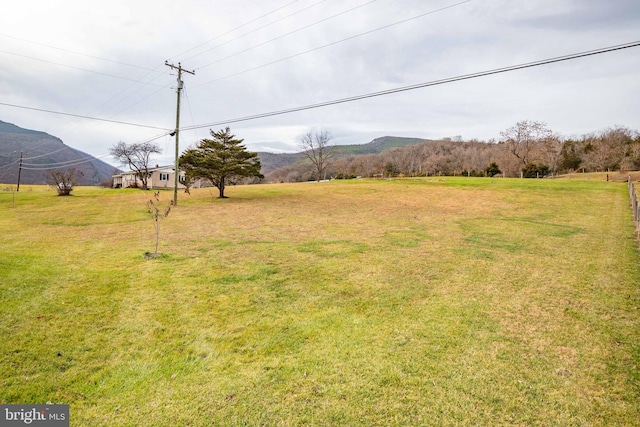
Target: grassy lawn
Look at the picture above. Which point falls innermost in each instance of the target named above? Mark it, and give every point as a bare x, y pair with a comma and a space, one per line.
449, 301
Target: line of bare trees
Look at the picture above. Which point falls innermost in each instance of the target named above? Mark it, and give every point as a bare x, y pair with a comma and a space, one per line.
527, 149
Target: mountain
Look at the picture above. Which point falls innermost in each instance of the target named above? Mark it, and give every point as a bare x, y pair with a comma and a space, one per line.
376, 146
41, 151
272, 161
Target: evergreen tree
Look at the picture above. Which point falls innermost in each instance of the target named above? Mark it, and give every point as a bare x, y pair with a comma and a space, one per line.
222, 160
492, 169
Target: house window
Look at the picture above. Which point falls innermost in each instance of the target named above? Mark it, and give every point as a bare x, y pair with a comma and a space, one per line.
164, 177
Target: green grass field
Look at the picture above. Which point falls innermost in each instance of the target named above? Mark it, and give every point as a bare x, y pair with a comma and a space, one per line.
448, 301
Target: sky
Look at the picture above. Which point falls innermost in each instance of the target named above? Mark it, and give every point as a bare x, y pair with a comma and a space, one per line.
106, 60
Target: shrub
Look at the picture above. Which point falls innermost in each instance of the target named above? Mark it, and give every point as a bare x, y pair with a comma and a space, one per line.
345, 176
533, 170
492, 169
64, 180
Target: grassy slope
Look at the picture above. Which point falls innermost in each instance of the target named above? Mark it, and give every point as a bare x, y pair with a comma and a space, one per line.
409, 302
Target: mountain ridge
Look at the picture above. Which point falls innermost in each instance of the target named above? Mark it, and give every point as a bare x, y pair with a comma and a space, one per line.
273, 161
42, 152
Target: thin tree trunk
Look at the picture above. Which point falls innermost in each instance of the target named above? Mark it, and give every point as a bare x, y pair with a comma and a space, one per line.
221, 188
157, 234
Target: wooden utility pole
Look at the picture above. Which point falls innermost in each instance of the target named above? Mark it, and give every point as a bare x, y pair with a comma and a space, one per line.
177, 130
19, 172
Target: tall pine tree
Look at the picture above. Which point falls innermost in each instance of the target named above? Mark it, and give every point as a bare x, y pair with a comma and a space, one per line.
222, 160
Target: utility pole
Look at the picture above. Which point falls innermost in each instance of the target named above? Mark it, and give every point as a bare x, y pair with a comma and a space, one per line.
177, 130
19, 172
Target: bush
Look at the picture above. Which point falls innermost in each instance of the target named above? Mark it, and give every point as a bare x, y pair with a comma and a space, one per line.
345, 176
64, 180
533, 170
492, 170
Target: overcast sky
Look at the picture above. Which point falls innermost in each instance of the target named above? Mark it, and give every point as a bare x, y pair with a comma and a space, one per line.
105, 59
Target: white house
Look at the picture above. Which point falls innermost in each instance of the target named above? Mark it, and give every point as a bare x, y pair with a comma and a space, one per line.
159, 177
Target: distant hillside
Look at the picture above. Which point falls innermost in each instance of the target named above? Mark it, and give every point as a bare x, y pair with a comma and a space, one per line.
271, 161
376, 146
41, 150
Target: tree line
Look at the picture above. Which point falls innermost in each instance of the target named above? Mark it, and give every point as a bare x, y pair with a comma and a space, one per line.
528, 149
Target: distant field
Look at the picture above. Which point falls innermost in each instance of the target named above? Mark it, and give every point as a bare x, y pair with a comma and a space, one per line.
445, 301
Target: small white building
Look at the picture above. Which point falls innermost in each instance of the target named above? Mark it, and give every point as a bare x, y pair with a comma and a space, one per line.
159, 177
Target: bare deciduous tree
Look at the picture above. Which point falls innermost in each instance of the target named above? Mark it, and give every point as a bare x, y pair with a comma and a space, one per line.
552, 152
64, 180
526, 144
316, 148
136, 156
153, 208
526, 139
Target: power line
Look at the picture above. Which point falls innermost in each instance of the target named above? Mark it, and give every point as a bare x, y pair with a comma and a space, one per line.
81, 116
47, 154
235, 29
143, 80
75, 162
89, 157
131, 93
424, 85
77, 68
58, 165
256, 30
358, 97
77, 53
8, 165
187, 97
333, 43
291, 33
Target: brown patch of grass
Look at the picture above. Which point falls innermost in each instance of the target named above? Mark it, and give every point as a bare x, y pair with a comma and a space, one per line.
405, 302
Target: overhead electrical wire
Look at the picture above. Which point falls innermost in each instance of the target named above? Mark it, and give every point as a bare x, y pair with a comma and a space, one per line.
290, 33
37, 166
424, 85
129, 106
359, 97
255, 30
76, 68
66, 163
235, 29
330, 44
76, 53
154, 70
47, 154
127, 90
187, 97
75, 162
143, 81
81, 116
135, 81
8, 165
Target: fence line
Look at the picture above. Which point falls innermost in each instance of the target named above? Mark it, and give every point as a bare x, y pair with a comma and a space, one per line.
634, 205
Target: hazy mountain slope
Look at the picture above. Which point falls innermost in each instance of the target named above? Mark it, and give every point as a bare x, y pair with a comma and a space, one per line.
271, 161
41, 150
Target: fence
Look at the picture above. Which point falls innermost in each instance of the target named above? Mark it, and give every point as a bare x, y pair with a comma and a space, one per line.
634, 205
